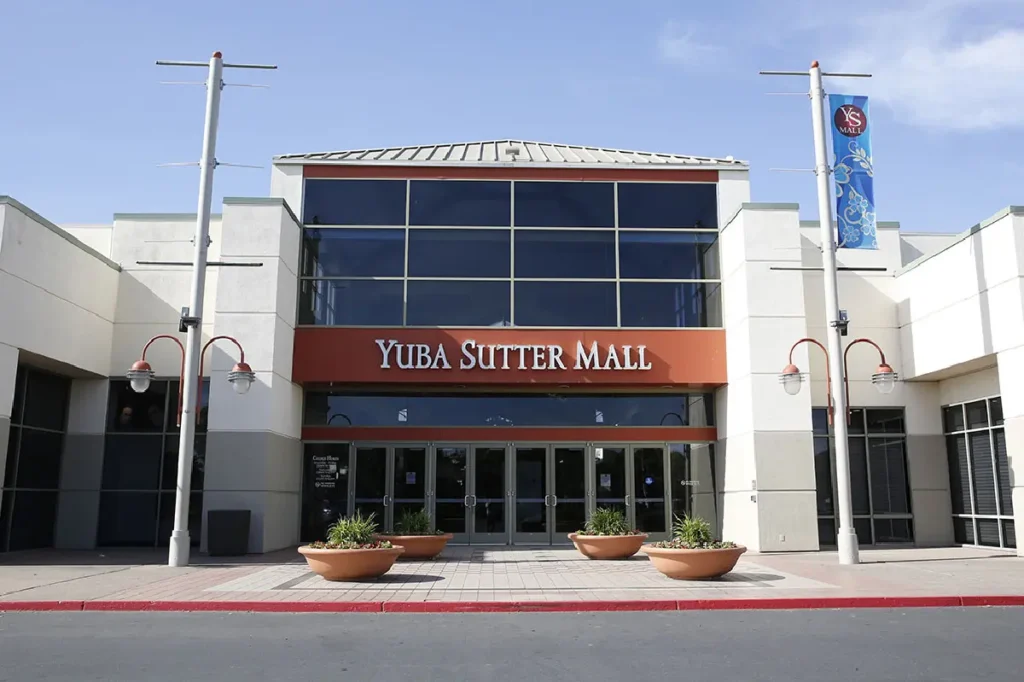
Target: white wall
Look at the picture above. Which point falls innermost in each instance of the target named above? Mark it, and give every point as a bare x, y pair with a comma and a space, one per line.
914, 245
58, 296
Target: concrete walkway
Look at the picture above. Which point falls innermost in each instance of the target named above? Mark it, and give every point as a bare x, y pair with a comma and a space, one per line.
499, 578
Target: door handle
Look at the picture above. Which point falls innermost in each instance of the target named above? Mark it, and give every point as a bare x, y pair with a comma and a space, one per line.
387, 500
554, 500
628, 499
467, 502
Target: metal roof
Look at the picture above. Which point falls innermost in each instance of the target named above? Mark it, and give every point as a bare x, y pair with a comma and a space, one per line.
507, 153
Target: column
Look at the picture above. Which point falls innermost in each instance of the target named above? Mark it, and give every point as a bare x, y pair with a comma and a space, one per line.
8, 377
1011, 369
927, 466
81, 467
254, 458
764, 458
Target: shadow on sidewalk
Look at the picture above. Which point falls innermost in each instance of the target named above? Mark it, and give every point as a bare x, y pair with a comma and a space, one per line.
119, 556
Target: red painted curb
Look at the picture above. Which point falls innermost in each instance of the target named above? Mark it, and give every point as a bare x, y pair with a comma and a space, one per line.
526, 606
782, 603
41, 605
241, 606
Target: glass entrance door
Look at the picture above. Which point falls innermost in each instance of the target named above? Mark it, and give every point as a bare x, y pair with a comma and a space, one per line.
450, 492
632, 478
550, 499
389, 480
489, 495
408, 490
371, 478
568, 491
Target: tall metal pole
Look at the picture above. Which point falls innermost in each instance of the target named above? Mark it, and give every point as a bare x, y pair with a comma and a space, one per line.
847, 536
180, 542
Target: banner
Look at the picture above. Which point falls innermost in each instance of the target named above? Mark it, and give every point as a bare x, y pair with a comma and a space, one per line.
853, 172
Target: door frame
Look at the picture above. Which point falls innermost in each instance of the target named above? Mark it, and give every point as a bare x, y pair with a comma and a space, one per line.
457, 538
666, 464
482, 538
520, 538
592, 487
389, 508
559, 537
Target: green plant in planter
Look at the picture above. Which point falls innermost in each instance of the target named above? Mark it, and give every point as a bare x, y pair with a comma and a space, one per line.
607, 521
414, 522
692, 532
353, 532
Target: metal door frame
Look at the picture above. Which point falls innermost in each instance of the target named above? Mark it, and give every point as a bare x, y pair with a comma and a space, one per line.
382, 524
592, 475
389, 509
482, 538
457, 538
558, 537
543, 538
666, 464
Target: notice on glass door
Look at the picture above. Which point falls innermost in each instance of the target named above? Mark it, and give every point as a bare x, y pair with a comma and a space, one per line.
325, 471
606, 481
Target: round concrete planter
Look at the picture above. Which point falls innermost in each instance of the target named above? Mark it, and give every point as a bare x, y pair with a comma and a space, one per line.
418, 546
350, 564
693, 564
607, 546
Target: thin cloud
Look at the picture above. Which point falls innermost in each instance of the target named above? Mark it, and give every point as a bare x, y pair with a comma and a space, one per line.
681, 44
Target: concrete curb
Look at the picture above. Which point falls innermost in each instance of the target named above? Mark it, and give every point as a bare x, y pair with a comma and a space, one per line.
785, 603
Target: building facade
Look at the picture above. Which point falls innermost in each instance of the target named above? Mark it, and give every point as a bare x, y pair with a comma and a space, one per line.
509, 334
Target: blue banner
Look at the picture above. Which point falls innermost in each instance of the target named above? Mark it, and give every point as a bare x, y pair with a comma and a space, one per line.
853, 172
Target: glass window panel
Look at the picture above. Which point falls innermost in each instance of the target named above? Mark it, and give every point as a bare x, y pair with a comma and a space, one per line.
959, 474
681, 468
169, 474
46, 400
139, 412
332, 252
324, 488
668, 255
565, 304
132, 462
354, 202
819, 420
512, 410
33, 518
368, 303
889, 491
859, 477
668, 205
893, 530
11, 465
649, 489
165, 524
984, 476
6, 511
1003, 473
127, 520
460, 203
977, 415
827, 532
565, 254
995, 409
663, 304
988, 532
204, 406
19, 397
885, 420
856, 421
565, 204
454, 304
460, 253
953, 418
1009, 535
39, 459
823, 476
863, 529
963, 531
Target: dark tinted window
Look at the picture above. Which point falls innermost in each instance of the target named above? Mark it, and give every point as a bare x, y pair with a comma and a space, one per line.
670, 205
34, 515
460, 203
953, 418
132, 462
823, 476
165, 524
46, 401
885, 420
565, 304
127, 519
819, 420
565, 254
351, 302
668, 255
39, 459
662, 304
169, 475
459, 253
340, 409
453, 304
331, 252
565, 204
889, 491
977, 415
354, 202
131, 411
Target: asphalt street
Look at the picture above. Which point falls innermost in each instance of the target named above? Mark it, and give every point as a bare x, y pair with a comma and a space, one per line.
864, 645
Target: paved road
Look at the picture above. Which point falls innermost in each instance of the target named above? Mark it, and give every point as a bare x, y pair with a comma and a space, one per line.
864, 645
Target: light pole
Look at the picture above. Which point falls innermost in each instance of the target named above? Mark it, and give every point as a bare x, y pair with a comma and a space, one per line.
141, 375
884, 379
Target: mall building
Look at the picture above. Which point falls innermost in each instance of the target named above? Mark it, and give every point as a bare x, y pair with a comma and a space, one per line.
509, 334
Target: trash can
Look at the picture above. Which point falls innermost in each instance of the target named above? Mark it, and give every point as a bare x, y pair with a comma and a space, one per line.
227, 532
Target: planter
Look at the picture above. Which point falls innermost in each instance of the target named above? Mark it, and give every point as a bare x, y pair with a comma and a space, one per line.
607, 546
350, 564
418, 546
693, 564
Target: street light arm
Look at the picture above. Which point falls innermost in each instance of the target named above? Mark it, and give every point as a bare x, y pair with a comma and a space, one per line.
181, 370
828, 372
202, 361
846, 369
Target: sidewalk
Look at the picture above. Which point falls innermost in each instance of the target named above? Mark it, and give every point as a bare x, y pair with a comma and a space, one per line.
506, 579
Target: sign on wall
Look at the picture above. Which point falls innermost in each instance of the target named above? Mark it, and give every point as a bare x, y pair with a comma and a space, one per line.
505, 357
853, 172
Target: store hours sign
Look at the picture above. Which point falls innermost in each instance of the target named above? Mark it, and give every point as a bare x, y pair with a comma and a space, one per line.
505, 357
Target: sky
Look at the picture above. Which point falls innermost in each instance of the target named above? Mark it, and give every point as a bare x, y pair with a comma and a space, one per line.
85, 121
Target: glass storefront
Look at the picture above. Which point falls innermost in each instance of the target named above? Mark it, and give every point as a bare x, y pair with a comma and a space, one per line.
507, 493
